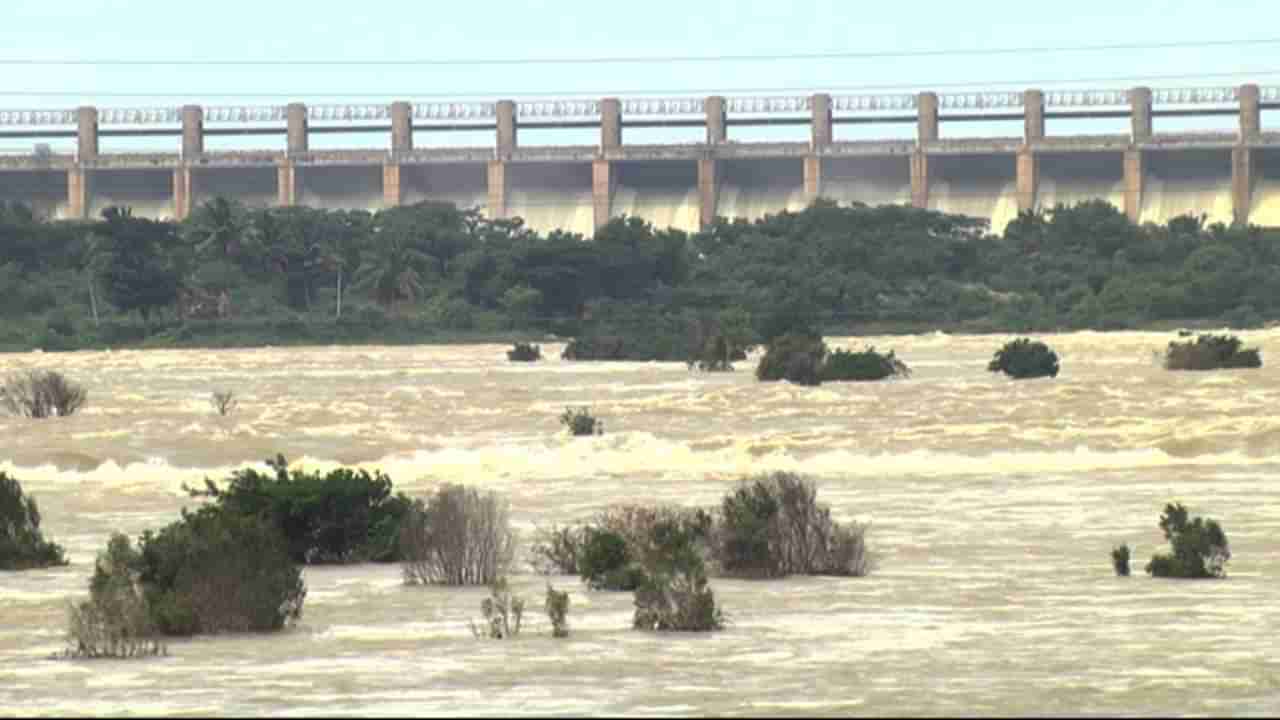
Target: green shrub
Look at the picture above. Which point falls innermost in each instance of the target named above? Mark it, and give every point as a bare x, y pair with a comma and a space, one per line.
1200, 548
1210, 352
22, 545
524, 352
773, 526
557, 607
503, 613
341, 516
1120, 559
865, 365
458, 537
115, 622
581, 422
41, 394
606, 562
216, 571
674, 594
1023, 358
795, 357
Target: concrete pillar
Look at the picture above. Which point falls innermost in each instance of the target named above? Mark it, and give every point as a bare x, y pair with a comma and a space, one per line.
812, 178
610, 124
1028, 179
506, 129
820, 125
927, 117
287, 185
920, 179
602, 186
401, 127
498, 186
708, 190
1250, 112
87, 133
717, 127
183, 192
77, 193
1133, 176
1242, 159
391, 193
192, 131
1033, 115
1140, 113
297, 114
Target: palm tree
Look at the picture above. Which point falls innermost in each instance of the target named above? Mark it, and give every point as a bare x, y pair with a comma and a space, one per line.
217, 228
395, 272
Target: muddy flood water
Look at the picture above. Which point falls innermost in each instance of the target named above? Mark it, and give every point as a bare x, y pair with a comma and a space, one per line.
993, 506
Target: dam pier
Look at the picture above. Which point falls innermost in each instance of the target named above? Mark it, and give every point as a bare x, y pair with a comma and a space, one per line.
1230, 176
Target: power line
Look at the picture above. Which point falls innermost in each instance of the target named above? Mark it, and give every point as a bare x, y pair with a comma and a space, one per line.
632, 60
615, 92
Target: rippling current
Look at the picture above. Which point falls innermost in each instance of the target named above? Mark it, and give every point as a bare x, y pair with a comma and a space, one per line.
993, 506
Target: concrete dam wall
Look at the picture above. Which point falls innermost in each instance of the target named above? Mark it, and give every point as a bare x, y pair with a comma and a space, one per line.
1231, 176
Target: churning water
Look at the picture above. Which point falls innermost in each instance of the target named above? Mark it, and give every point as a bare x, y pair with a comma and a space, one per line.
993, 505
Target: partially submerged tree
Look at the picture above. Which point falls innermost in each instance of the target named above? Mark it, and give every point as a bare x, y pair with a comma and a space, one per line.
22, 544
1199, 547
1023, 358
1210, 352
41, 394
460, 536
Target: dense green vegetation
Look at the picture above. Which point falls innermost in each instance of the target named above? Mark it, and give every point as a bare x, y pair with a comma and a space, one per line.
341, 516
1210, 352
22, 545
1023, 358
229, 275
1199, 547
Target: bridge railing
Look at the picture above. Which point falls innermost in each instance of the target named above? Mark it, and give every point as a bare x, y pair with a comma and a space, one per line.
586, 109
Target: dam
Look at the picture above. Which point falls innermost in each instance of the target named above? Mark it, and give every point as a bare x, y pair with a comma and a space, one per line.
1231, 176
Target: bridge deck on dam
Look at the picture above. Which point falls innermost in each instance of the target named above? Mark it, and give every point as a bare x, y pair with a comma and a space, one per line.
1230, 176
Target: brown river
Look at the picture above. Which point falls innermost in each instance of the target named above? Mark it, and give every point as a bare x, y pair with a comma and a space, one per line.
993, 506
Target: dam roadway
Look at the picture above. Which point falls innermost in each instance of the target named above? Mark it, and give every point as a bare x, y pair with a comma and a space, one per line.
1152, 176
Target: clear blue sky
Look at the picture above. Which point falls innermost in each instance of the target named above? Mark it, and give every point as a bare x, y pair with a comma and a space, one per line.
468, 31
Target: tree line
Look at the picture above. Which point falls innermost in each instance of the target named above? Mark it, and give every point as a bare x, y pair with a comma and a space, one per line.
272, 275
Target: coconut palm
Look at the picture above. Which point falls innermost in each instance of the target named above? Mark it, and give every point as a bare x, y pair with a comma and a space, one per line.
395, 271
217, 228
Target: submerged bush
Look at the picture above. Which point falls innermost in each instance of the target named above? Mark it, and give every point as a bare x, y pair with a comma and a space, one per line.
1210, 352
458, 537
674, 594
773, 526
606, 562
1120, 559
581, 422
41, 394
1023, 358
556, 550
341, 516
216, 571
22, 545
597, 347
223, 402
557, 607
524, 352
796, 357
865, 365
503, 613
1200, 548
115, 622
